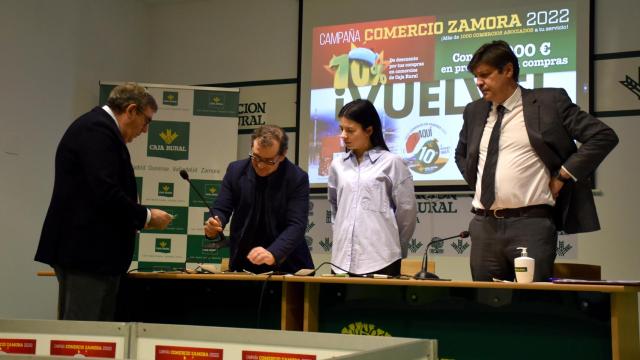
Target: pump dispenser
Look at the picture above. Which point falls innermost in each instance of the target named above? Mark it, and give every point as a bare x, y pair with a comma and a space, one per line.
524, 267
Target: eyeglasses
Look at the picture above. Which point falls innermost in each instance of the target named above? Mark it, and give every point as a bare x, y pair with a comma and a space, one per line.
147, 120
258, 159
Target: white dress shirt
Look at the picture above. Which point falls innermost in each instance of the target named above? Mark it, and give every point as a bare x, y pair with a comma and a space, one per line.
373, 208
522, 179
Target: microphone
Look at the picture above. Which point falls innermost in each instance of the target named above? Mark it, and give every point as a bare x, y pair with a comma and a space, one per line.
424, 274
185, 175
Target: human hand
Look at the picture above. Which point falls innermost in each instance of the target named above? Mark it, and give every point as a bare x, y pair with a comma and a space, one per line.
212, 227
557, 182
259, 255
159, 219
555, 185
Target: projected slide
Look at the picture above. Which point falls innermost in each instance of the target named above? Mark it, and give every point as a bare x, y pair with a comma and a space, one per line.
414, 70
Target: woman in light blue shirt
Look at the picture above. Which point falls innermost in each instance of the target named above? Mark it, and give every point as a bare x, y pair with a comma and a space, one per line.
371, 194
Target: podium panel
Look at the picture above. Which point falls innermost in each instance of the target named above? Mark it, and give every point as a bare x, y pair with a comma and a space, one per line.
244, 304
470, 320
474, 323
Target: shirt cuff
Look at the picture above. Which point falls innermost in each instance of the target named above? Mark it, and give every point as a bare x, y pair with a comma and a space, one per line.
148, 218
570, 174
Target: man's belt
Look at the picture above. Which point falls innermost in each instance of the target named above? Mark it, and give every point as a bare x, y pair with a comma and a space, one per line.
527, 211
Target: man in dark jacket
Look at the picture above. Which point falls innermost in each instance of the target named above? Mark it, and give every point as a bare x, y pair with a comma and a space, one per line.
269, 199
89, 232
517, 151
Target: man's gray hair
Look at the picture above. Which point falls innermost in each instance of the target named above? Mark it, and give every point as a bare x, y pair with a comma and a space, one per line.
130, 93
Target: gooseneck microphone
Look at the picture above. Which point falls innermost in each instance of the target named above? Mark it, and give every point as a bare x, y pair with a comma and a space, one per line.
185, 175
424, 274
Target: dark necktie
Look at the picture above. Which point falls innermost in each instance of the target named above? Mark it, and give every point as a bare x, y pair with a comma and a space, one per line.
488, 185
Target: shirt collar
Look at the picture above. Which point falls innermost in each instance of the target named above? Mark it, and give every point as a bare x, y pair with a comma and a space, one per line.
373, 154
512, 101
110, 112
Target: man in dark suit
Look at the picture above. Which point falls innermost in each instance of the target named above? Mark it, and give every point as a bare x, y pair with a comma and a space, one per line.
269, 199
89, 232
530, 179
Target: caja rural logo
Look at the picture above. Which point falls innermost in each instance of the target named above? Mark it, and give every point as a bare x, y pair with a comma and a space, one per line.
423, 152
168, 140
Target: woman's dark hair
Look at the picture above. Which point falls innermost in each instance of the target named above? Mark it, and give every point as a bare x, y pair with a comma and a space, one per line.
364, 113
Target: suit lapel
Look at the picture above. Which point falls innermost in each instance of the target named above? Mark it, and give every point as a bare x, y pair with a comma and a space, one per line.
531, 113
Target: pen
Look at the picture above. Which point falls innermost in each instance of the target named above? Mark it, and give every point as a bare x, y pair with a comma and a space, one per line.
376, 276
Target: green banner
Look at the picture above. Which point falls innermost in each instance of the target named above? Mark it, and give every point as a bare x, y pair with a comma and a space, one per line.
203, 145
215, 103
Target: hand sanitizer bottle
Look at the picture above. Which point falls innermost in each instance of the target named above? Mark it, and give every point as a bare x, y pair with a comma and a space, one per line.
524, 267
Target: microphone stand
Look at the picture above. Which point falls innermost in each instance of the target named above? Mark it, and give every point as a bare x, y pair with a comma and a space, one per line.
223, 239
423, 274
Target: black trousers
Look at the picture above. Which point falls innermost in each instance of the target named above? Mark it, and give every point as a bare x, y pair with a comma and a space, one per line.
86, 296
494, 244
392, 269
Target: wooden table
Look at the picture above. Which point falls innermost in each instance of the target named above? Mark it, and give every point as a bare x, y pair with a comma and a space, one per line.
469, 319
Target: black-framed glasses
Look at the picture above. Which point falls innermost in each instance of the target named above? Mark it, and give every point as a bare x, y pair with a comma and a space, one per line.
258, 159
147, 120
